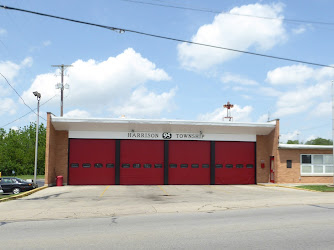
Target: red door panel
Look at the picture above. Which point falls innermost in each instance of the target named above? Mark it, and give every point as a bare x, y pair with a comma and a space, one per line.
189, 162
141, 162
92, 162
235, 163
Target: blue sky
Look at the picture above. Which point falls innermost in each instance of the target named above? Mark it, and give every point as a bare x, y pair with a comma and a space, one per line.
143, 77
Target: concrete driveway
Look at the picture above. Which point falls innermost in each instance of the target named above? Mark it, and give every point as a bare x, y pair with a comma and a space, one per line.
107, 201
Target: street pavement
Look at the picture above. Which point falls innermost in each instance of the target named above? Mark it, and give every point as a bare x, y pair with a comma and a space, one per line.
74, 202
283, 227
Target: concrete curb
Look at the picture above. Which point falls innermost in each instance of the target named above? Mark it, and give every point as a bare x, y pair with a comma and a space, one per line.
298, 188
23, 194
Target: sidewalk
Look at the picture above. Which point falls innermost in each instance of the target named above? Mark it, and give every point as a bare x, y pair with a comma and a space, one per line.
290, 184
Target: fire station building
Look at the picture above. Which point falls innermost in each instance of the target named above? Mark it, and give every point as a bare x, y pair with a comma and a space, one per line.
161, 152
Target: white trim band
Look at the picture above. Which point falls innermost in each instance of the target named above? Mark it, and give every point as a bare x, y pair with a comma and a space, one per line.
160, 136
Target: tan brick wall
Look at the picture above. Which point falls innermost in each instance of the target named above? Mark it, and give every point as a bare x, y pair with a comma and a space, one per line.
292, 175
49, 151
61, 165
266, 146
56, 154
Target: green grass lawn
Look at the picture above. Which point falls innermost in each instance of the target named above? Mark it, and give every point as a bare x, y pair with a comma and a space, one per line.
2, 196
321, 188
24, 177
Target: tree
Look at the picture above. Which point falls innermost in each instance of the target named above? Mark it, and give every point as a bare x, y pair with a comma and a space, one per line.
319, 141
17, 150
293, 142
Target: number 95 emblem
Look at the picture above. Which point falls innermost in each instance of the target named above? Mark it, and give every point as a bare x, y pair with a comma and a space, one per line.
167, 135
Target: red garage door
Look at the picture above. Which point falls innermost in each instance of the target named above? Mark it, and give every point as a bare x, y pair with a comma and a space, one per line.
189, 162
92, 162
141, 162
235, 163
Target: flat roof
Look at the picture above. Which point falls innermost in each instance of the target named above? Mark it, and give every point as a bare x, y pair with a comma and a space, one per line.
145, 125
303, 146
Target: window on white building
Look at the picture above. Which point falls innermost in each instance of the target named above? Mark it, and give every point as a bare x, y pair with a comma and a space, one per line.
316, 165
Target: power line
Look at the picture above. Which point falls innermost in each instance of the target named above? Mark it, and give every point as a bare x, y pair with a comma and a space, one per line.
63, 18
28, 113
17, 93
228, 13
15, 120
320, 126
121, 30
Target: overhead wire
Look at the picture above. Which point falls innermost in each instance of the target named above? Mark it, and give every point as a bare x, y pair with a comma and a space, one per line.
3, 44
319, 126
18, 94
229, 13
122, 30
29, 113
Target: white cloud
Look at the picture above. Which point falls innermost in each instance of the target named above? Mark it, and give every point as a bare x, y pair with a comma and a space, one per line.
4, 89
324, 73
299, 30
46, 43
309, 90
7, 106
247, 97
298, 74
27, 62
267, 91
3, 32
77, 113
238, 113
301, 99
323, 109
113, 84
10, 70
40, 46
239, 88
263, 118
232, 78
233, 31
144, 103
289, 136
295, 74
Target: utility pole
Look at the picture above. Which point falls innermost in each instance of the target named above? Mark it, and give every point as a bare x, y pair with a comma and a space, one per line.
333, 125
61, 85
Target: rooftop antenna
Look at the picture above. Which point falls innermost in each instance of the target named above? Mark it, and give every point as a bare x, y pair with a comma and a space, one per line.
228, 106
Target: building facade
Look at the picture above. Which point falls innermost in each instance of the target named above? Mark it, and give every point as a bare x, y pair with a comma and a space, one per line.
160, 152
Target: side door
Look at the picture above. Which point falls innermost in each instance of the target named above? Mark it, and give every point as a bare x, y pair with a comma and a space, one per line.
7, 185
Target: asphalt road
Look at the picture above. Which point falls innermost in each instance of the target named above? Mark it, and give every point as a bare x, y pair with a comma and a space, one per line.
291, 227
40, 182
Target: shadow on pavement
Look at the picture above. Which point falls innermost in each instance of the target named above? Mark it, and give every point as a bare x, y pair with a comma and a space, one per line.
46, 197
